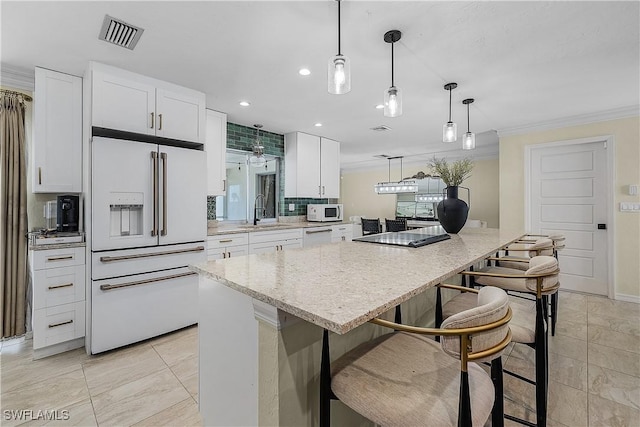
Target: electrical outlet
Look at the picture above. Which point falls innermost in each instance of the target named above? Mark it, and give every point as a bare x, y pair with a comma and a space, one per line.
629, 207
292, 207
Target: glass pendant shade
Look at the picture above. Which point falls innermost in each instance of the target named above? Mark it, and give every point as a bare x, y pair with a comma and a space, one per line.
257, 161
449, 132
339, 75
469, 141
392, 102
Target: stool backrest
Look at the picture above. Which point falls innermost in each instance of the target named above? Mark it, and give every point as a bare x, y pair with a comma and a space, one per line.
543, 265
395, 224
370, 226
493, 304
542, 246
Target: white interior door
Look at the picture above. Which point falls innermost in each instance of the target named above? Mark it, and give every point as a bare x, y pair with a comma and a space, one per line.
568, 195
183, 195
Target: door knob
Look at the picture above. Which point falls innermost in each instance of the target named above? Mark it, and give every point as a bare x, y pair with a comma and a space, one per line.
602, 226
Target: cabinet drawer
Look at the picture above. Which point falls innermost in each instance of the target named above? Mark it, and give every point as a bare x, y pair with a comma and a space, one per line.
56, 286
57, 324
275, 236
54, 258
225, 240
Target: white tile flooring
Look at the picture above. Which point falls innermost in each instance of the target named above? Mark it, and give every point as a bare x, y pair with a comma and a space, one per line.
594, 375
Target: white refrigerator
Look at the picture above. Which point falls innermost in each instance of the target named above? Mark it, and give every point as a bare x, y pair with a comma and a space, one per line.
149, 222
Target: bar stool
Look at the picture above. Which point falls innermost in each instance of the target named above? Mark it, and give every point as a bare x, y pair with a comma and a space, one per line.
529, 319
530, 247
395, 224
406, 379
371, 226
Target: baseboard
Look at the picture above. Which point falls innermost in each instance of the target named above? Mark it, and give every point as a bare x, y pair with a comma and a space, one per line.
58, 348
628, 298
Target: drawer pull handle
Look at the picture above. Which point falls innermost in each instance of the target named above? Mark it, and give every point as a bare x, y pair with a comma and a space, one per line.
150, 254
60, 324
225, 241
328, 230
60, 258
66, 285
146, 281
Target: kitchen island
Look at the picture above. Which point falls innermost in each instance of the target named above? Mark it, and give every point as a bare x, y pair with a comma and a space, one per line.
262, 318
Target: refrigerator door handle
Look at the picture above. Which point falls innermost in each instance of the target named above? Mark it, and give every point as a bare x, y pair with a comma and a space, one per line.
154, 161
109, 287
164, 230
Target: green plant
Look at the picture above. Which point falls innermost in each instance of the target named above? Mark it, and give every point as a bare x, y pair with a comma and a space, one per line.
452, 174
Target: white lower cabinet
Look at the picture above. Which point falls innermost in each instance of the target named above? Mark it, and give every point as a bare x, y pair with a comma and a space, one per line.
342, 233
314, 236
227, 245
58, 300
277, 240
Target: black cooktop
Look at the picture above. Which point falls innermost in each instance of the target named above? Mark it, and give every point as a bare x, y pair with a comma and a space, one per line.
403, 238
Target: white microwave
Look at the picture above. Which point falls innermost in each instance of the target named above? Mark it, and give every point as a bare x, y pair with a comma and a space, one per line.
324, 213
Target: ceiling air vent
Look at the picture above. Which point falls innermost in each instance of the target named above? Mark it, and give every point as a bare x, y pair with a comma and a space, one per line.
381, 128
119, 32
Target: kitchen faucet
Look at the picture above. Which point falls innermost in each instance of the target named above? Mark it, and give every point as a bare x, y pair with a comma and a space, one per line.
255, 208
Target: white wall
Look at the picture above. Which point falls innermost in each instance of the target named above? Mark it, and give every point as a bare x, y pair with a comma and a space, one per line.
359, 198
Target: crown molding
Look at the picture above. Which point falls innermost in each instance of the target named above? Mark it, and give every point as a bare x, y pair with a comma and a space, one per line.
17, 78
582, 119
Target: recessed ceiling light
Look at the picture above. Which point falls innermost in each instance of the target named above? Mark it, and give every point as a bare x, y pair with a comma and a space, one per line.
318, 124
379, 106
304, 71
244, 103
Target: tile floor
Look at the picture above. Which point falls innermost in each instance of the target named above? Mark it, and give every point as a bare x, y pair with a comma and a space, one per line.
594, 375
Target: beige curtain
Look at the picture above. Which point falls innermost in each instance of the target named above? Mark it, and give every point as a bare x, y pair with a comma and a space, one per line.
13, 215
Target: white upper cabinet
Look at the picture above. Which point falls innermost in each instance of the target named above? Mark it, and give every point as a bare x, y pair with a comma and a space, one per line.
216, 148
312, 166
130, 102
123, 104
179, 115
57, 141
330, 168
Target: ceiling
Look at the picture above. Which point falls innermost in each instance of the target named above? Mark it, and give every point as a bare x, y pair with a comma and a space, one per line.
525, 63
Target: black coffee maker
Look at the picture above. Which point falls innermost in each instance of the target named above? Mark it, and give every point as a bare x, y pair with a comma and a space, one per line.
68, 213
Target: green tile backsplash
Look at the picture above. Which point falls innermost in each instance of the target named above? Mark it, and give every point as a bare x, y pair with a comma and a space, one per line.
241, 138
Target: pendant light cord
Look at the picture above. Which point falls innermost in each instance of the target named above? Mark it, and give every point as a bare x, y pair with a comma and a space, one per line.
450, 104
339, 51
468, 118
392, 43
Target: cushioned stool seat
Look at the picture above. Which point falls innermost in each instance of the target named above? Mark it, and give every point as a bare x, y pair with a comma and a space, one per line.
536, 265
368, 380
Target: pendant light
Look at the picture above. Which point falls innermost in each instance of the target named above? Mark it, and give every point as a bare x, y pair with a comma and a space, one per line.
450, 129
257, 158
392, 96
402, 186
469, 140
339, 76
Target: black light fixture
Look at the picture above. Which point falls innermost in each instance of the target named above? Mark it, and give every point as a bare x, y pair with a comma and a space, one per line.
450, 129
339, 76
392, 96
469, 140
257, 158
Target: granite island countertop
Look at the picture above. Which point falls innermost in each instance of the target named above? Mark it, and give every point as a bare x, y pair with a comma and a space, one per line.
343, 285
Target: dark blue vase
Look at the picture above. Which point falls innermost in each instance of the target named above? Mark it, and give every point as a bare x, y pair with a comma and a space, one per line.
452, 212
